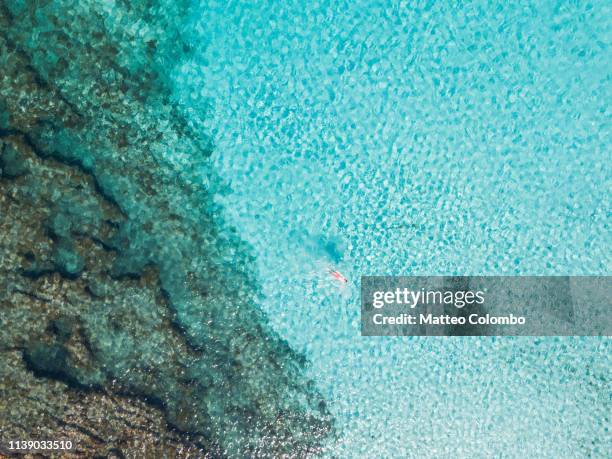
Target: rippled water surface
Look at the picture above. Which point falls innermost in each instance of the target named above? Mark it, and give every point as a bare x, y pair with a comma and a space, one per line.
418, 138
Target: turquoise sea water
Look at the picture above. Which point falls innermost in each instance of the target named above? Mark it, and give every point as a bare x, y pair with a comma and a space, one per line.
418, 138
172, 168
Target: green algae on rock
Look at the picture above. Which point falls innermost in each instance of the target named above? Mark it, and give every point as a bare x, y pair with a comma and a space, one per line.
111, 224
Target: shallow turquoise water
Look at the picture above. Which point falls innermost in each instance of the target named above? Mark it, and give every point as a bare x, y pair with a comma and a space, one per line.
411, 138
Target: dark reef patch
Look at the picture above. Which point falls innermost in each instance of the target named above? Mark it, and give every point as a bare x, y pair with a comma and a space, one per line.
121, 282
12, 164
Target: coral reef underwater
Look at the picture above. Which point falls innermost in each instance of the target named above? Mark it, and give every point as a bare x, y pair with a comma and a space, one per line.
128, 309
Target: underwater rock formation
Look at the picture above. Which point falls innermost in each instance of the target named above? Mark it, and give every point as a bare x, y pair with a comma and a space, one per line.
128, 310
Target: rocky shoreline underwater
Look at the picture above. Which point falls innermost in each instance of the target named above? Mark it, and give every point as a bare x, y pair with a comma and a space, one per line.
128, 307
